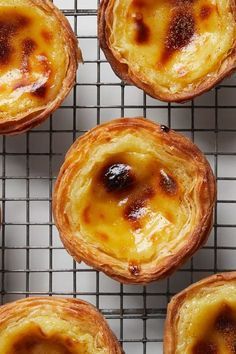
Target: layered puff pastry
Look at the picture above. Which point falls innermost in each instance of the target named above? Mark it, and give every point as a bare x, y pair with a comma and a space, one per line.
172, 49
202, 318
54, 326
134, 199
38, 61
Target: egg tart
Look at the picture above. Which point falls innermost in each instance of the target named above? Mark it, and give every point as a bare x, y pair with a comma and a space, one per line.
134, 199
202, 318
54, 326
38, 61
172, 49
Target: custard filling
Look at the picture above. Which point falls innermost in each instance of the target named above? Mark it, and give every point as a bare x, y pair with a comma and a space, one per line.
132, 202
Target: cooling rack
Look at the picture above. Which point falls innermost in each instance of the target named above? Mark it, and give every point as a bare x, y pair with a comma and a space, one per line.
33, 261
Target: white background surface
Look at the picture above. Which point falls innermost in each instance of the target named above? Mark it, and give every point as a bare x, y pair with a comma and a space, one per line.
33, 259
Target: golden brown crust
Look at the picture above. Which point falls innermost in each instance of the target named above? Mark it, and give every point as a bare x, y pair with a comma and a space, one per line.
123, 70
119, 269
32, 117
84, 318
178, 300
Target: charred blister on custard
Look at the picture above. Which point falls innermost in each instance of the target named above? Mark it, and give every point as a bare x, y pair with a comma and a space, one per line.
225, 322
6, 52
47, 36
34, 343
180, 32
142, 31
117, 177
9, 27
224, 326
205, 347
28, 47
139, 3
21, 21
40, 92
206, 11
136, 209
165, 129
40, 89
167, 183
134, 269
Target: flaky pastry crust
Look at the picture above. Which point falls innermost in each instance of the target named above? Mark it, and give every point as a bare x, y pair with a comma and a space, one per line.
173, 50
202, 318
54, 325
39, 56
134, 199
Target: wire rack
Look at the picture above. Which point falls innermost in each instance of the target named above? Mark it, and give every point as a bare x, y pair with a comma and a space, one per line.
33, 261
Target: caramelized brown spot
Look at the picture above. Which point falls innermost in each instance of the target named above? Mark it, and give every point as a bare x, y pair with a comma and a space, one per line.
169, 216
5, 52
147, 4
40, 91
224, 328
139, 3
147, 193
9, 26
102, 236
21, 20
47, 36
167, 183
37, 341
142, 31
11, 23
204, 348
206, 11
29, 46
86, 215
134, 269
180, 32
225, 325
136, 209
117, 177
225, 322
7, 30
165, 129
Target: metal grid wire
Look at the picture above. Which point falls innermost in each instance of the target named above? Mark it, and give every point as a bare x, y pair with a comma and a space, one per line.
33, 259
